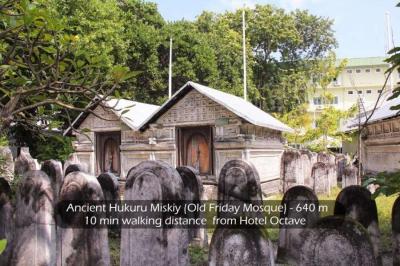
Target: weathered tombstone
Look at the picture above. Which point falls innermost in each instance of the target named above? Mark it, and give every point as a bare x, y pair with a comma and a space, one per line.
25, 162
341, 163
306, 165
73, 159
53, 169
329, 161
291, 168
154, 181
290, 239
356, 203
192, 193
34, 236
336, 241
396, 232
74, 168
110, 186
320, 178
6, 219
239, 180
247, 247
81, 245
7, 163
349, 177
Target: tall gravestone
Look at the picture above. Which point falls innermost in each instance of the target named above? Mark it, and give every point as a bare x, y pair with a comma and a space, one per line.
193, 193
290, 239
355, 202
110, 186
330, 163
7, 166
35, 238
341, 163
24, 162
292, 169
306, 165
349, 177
396, 232
336, 241
154, 181
73, 159
81, 245
73, 168
239, 181
54, 170
320, 178
6, 219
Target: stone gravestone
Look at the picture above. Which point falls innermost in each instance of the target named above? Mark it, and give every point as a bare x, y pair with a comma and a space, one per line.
356, 203
330, 163
349, 177
336, 241
290, 239
74, 168
193, 193
341, 163
320, 178
6, 163
292, 169
25, 162
35, 235
73, 159
240, 247
53, 169
6, 219
79, 245
110, 186
306, 165
396, 232
154, 181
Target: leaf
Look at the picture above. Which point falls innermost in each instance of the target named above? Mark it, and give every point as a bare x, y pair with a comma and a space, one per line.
3, 244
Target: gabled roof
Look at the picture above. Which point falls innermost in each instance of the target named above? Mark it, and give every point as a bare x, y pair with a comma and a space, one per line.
365, 61
236, 105
132, 113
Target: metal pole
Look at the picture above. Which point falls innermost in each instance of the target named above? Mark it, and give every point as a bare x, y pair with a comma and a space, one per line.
244, 58
170, 70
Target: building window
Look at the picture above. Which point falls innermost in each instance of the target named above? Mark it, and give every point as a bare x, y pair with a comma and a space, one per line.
317, 101
367, 70
350, 92
349, 71
335, 100
369, 91
358, 71
378, 70
379, 91
359, 92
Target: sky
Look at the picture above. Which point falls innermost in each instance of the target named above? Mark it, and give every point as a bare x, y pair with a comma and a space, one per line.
359, 24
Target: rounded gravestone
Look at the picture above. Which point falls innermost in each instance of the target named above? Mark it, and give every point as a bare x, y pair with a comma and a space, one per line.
54, 170
290, 239
74, 168
349, 176
35, 234
110, 186
6, 219
81, 245
320, 178
154, 181
336, 241
396, 231
239, 180
248, 247
356, 203
291, 168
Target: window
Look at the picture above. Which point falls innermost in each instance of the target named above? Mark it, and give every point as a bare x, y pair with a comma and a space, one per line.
367, 70
369, 91
349, 71
358, 71
379, 91
350, 92
335, 100
359, 92
378, 70
317, 101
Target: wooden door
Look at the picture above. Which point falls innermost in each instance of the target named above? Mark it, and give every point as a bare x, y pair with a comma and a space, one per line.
108, 153
195, 148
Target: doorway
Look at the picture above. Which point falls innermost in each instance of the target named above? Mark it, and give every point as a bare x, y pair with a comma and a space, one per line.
108, 152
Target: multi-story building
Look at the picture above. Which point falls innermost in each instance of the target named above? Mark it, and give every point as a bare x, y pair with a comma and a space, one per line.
362, 78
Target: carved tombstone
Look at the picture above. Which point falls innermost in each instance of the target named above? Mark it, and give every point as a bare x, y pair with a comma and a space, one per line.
306, 165
110, 186
35, 235
356, 203
6, 219
320, 178
336, 241
396, 232
53, 169
290, 239
329, 161
192, 193
349, 177
81, 245
25, 162
341, 163
240, 247
292, 170
74, 168
154, 181
7, 164
73, 159
239, 180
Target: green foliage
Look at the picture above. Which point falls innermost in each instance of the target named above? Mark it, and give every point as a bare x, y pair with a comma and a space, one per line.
389, 183
3, 245
198, 256
301, 122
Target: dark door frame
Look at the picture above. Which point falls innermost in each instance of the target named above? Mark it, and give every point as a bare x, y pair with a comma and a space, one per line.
101, 138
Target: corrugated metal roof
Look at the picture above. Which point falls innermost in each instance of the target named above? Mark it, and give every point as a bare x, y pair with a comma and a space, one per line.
235, 104
364, 61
